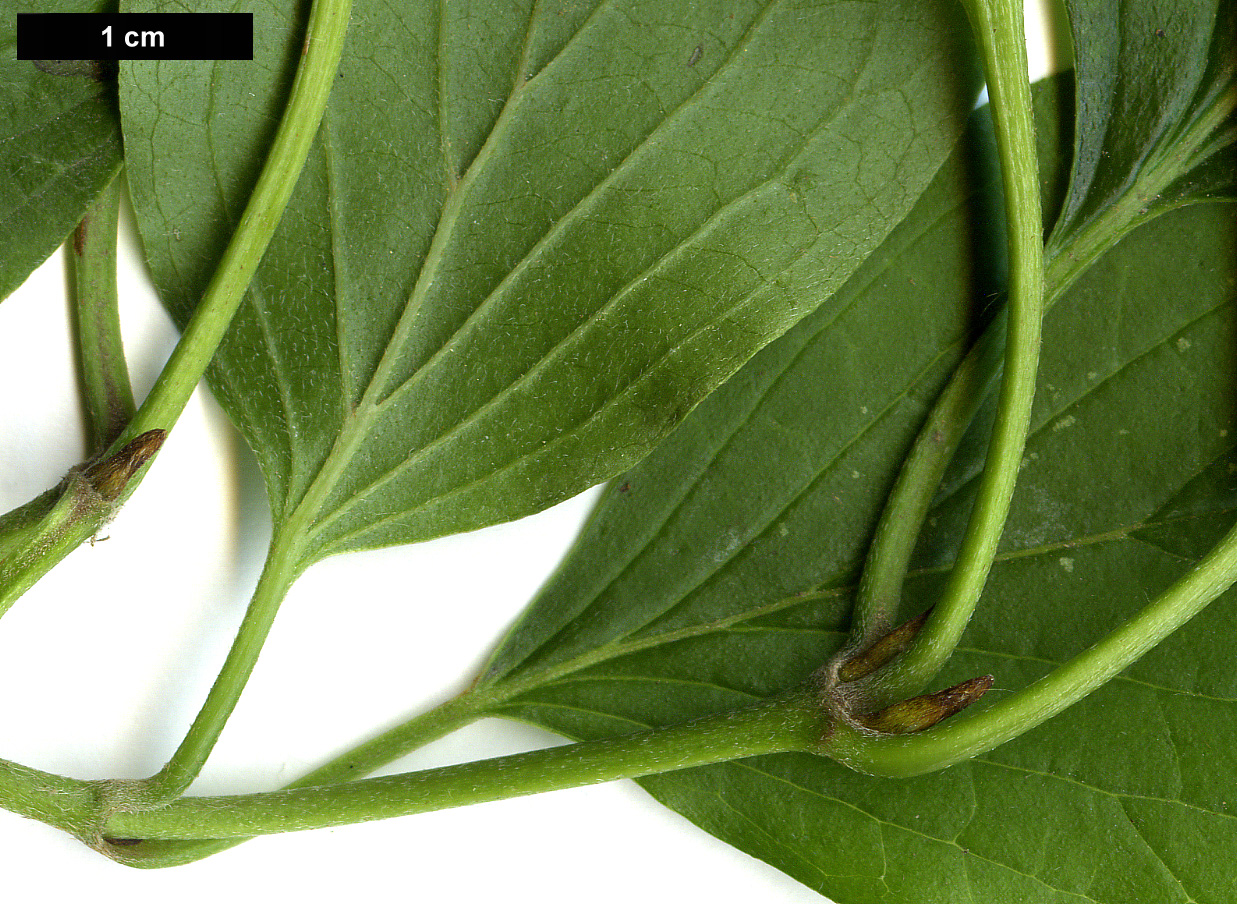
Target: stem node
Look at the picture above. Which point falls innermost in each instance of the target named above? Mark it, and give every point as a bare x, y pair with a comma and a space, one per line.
111, 476
880, 652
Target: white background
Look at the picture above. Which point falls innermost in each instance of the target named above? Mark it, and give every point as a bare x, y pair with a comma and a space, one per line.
104, 663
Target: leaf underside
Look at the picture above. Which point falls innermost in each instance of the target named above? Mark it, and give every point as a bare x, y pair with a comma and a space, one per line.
531, 236
530, 241
1157, 91
721, 569
59, 147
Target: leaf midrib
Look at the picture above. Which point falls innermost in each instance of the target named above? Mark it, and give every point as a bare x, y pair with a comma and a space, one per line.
891, 259
552, 355
310, 506
357, 421
1161, 166
1049, 421
621, 647
503, 689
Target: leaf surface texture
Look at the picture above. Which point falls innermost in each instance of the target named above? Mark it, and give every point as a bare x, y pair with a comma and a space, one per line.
721, 570
59, 147
1156, 107
531, 236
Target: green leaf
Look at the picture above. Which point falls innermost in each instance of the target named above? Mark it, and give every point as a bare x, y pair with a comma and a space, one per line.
59, 147
1156, 106
721, 570
532, 236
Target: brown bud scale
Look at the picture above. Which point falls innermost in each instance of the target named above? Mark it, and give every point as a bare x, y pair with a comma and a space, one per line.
920, 713
110, 476
883, 650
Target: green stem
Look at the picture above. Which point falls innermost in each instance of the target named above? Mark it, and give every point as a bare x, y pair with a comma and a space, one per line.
391, 745
44, 531
889, 557
793, 722
1067, 258
54, 799
280, 571
328, 23
796, 721
1071, 251
969, 735
349, 766
107, 394
324, 43
783, 724
998, 28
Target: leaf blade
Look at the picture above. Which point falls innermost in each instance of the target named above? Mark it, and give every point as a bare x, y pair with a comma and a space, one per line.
1156, 107
1129, 477
59, 147
556, 286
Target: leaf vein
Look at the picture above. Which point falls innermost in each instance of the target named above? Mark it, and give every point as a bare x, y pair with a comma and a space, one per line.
1129, 795
893, 825
340, 278
359, 496
1090, 390
1189, 899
